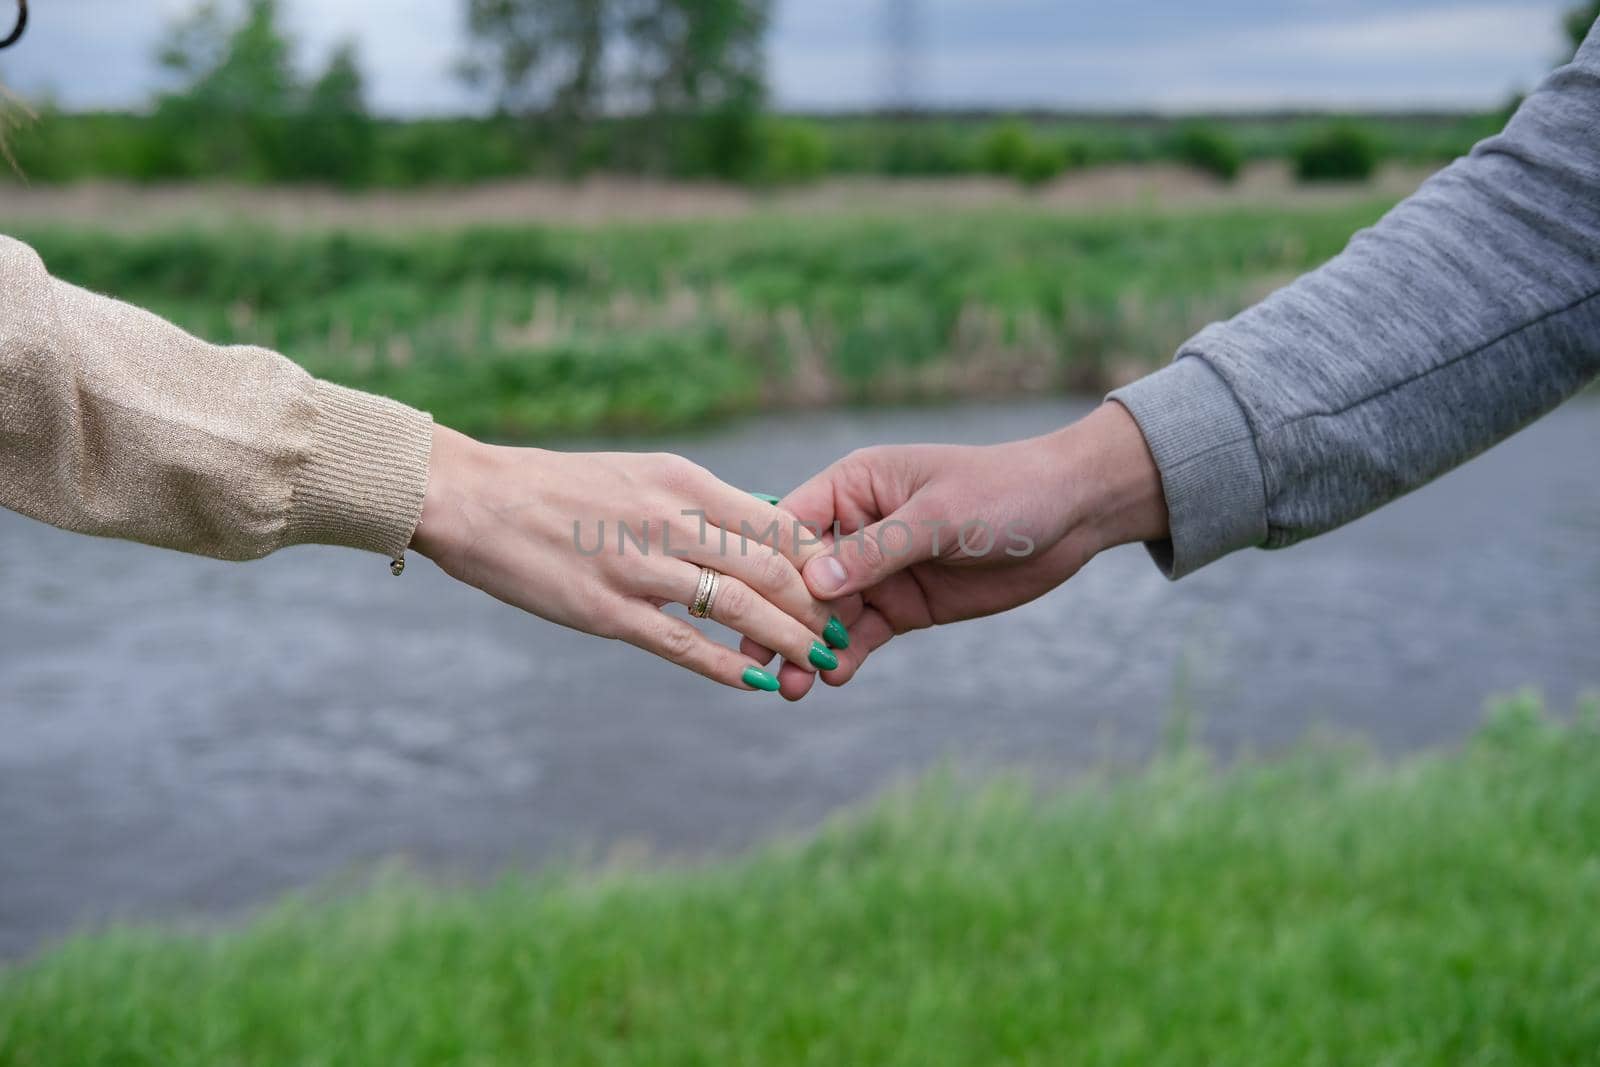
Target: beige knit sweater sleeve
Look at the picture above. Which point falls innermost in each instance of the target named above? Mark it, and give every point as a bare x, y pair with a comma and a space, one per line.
115, 422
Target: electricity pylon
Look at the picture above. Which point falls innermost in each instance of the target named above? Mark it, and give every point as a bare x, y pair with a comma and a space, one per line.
902, 38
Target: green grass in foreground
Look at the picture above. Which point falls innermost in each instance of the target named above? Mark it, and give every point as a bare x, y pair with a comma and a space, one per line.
1316, 909
545, 331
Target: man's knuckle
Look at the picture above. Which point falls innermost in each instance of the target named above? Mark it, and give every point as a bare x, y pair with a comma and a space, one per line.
869, 550
863, 457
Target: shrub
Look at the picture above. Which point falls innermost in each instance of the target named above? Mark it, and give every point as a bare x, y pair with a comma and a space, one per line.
1006, 148
1208, 149
925, 148
793, 152
1043, 163
1342, 152
1010, 148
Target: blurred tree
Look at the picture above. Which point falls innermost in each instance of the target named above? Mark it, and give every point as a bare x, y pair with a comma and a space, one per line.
694, 69
238, 109
541, 55
335, 134
236, 93
239, 70
700, 68
1580, 20
697, 56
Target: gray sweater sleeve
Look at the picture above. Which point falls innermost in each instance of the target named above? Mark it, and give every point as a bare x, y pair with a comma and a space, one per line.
1468, 311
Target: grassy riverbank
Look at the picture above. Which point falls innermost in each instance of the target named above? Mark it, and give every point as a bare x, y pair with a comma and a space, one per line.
531, 332
1310, 909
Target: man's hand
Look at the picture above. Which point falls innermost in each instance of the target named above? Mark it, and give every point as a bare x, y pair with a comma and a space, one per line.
931, 534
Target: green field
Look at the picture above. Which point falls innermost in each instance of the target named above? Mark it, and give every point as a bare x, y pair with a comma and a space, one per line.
528, 333
1312, 909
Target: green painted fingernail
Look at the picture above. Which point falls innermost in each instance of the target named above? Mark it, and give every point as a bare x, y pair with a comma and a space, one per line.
768, 497
835, 633
821, 658
756, 678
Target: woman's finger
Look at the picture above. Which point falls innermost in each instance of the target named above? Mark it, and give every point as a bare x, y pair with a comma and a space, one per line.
739, 607
870, 633
795, 683
756, 651
846, 610
753, 518
673, 639
763, 569
836, 635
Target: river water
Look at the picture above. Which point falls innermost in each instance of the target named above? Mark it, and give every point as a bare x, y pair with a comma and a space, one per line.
183, 739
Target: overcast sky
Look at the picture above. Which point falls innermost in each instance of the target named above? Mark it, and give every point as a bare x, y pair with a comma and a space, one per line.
1166, 54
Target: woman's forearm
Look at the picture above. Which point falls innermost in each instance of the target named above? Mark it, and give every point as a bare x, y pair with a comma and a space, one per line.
115, 422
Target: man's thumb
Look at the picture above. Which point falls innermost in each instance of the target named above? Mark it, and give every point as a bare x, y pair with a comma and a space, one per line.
862, 559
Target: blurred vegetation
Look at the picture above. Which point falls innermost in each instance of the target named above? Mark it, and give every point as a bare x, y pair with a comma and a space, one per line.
1208, 149
1013, 149
240, 110
690, 71
530, 332
1341, 152
671, 88
355, 151
1317, 908
1580, 20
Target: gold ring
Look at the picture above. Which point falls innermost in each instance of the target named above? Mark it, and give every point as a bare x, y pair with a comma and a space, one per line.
705, 594
698, 603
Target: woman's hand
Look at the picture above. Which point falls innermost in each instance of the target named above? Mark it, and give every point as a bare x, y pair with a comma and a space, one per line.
601, 541
947, 532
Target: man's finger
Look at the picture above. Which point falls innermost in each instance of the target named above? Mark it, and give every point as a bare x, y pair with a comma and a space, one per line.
756, 519
842, 494
862, 559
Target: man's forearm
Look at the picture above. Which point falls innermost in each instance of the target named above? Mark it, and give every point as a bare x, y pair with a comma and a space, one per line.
1470, 310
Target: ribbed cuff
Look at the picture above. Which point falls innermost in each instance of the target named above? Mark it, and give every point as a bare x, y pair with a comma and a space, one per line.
362, 485
1210, 470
